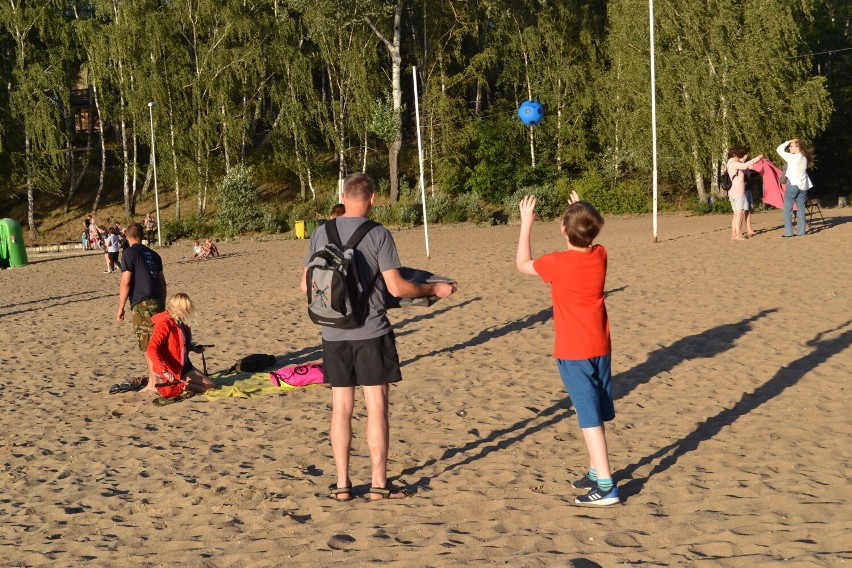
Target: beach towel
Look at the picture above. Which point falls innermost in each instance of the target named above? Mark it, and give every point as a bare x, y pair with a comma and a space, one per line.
245, 385
773, 189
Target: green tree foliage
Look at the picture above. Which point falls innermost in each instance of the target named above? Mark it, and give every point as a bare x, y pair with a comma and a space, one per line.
312, 90
237, 200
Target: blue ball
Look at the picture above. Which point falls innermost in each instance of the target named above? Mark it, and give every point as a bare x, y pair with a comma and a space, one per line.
531, 112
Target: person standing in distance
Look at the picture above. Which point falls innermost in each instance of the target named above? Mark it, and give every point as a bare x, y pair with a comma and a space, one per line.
144, 284
365, 356
798, 184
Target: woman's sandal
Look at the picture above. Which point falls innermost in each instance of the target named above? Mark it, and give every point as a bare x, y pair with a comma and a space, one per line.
336, 491
388, 490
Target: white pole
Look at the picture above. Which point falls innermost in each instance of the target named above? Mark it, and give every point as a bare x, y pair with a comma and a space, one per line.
154, 164
420, 157
653, 113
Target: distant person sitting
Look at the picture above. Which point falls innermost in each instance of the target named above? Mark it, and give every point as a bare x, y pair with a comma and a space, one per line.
197, 250
209, 250
337, 211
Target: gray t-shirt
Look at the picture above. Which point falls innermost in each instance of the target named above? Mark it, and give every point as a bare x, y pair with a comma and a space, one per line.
375, 253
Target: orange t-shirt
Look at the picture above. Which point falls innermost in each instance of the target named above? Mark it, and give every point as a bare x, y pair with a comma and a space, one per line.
579, 314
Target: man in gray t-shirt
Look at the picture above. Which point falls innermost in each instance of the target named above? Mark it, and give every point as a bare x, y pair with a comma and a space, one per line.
365, 356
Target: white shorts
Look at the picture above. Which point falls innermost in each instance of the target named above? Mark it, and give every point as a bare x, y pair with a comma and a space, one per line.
738, 203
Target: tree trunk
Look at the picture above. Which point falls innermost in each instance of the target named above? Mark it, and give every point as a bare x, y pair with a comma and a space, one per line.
30, 189
396, 88
103, 150
125, 153
696, 172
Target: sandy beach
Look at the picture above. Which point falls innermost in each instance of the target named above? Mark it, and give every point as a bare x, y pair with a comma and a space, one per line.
731, 445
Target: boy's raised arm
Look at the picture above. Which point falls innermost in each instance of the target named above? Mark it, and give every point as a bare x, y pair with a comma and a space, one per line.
523, 258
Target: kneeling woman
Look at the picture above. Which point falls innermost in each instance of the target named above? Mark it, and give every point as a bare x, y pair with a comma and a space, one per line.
171, 342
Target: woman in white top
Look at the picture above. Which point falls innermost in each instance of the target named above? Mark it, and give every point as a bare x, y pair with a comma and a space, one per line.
736, 166
798, 184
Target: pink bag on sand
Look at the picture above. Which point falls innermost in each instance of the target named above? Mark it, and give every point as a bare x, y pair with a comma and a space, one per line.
298, 375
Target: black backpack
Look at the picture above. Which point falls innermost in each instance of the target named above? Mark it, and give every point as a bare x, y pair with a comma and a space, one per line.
253, 363
335, 295
725, 181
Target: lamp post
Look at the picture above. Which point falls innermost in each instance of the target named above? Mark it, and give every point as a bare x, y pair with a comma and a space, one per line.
154, 164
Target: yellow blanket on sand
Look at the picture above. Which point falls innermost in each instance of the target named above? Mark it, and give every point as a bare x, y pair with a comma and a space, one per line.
245, 385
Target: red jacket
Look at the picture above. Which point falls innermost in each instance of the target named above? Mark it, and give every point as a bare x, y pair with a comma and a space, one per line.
166, 348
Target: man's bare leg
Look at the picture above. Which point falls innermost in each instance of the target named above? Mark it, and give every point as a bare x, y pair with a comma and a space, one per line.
595, 439
342, 404
378, 437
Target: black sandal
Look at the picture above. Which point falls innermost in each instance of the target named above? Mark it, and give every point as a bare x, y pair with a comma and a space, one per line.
335, 491
388, 490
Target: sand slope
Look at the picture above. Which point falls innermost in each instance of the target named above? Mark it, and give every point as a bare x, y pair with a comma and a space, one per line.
732, 441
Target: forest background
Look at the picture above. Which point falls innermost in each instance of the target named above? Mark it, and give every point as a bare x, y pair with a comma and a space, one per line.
260, 107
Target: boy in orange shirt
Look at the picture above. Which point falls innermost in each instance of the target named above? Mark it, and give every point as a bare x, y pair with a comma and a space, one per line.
583, 349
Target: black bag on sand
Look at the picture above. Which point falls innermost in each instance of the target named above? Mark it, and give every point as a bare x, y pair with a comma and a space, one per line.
253, 363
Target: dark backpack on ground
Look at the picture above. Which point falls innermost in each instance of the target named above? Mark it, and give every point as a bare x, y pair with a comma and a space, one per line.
253, 363
335, 294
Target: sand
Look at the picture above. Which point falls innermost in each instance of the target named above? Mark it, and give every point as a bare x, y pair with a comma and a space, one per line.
731, 444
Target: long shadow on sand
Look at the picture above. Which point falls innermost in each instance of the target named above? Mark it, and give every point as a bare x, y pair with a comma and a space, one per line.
785, 378
707, 344
56, 305
495, 332
704, 345
314, 353
50, 299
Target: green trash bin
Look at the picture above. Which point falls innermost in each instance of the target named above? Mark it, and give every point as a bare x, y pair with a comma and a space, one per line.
310, 227
13, 250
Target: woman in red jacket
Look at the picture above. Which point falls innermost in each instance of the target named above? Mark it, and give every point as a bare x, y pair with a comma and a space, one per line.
171, 342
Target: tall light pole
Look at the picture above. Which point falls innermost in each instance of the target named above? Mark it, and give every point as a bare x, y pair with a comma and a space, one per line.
154, 164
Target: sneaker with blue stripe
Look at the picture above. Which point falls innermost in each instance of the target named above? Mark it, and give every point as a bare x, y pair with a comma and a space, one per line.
597, 498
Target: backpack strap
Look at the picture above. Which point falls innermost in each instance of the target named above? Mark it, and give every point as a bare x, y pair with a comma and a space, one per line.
331, 232
359, 233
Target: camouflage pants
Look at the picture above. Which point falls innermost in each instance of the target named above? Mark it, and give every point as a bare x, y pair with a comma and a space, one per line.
142, 326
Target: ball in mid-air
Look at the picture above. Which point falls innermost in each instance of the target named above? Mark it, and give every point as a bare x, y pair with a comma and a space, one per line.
530, 112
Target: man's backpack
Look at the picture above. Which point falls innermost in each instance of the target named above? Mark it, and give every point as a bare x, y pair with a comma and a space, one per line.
725, 181
336, 297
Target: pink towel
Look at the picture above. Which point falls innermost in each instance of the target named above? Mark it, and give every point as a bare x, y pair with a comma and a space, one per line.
773, 190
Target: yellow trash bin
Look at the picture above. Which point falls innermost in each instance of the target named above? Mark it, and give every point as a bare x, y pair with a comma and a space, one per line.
300, 230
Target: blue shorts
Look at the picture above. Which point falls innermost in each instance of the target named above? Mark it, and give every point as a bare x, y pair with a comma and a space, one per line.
589, 384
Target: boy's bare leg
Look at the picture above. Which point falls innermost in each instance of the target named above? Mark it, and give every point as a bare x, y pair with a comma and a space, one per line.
595, 439
342, 405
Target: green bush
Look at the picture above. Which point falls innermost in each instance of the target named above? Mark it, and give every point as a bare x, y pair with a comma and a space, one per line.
237, 198
627, 196
408, 213
187, 228
549, 202
276, 220
441, 208
383, 214
721, 204
303, 211
470, 204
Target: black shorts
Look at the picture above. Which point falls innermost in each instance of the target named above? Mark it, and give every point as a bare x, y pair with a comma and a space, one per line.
366, 362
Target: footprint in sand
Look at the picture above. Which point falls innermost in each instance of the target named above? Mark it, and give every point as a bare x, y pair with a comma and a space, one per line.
341, 542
